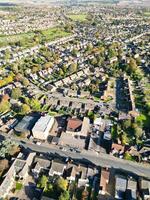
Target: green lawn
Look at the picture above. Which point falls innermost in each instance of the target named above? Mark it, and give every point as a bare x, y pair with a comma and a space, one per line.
24, 38
54, 33
80, 18
31, 39
147, 14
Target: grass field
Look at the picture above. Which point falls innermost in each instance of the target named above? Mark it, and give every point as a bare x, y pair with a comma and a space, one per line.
54, 33
147, 14
79, 18
27, 39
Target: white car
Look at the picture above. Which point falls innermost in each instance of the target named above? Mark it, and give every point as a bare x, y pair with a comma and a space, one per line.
38, 143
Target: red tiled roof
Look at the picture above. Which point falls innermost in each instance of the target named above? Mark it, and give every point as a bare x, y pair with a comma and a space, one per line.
118, 147
74, 123
104, 178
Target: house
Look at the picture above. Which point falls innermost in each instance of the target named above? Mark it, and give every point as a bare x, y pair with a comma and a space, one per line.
25, 125
98, 123
114, 59
145, 189
85, 127
57, 168
131, 192
51, 87
78, 127
117, 148
71, 172
107, 136
19, 169
72, 93
40, 164
145, 153
104, 180
84, 94
82, 176
120, 187
94, 143
42, 127
58, 83
74, 125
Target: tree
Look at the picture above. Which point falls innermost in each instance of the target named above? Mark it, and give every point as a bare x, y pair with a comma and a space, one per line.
18, 77
73, 67
125, 139
7, 55
25, 109
64, 196
62, 184
3, 166
48, 65
61, 73
4, 105
8, 148
85, 195
132, 66
16, 93
94, 61
126, 123
127, 156
42, 183
25, 82
137, 131
74, 52
89, 47
35, 105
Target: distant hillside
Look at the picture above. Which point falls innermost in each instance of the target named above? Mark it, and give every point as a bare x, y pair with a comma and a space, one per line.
120, 2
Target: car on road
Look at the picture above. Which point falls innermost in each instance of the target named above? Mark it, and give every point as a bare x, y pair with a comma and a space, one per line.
78, 151
38, 143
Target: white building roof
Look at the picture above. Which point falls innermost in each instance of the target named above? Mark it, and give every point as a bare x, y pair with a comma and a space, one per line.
42, 123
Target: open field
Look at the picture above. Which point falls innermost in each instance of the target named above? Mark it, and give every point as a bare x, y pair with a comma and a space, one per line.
54, 33
31, 39
80, 17
147, 14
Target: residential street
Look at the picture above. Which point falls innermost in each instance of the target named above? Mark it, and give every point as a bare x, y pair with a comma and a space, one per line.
102, 159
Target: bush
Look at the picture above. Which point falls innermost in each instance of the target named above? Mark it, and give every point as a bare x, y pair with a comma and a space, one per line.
19, 186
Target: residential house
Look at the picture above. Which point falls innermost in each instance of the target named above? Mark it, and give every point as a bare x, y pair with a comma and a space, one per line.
19, 169
39, 165
120, 187
57, 168
131, 192
104, 180
145, 189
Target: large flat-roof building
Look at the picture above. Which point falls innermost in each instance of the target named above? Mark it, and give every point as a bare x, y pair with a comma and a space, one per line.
25, 125
42, 127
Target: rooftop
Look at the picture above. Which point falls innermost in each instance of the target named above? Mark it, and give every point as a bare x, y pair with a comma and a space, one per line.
42, 123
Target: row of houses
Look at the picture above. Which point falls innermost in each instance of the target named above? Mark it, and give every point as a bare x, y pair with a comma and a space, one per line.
101, 179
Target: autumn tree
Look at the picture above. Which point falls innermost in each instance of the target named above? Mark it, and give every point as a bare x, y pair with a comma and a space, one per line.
25, 109
64, 196
16, 93
4, 105
35, 104
62, 184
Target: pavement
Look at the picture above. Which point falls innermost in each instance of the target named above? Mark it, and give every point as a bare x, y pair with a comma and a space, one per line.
88, 157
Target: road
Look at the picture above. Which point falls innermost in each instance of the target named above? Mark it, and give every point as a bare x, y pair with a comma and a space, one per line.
101, 159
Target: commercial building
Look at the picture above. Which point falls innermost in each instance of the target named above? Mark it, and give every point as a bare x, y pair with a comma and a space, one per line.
25, 125
42, 127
